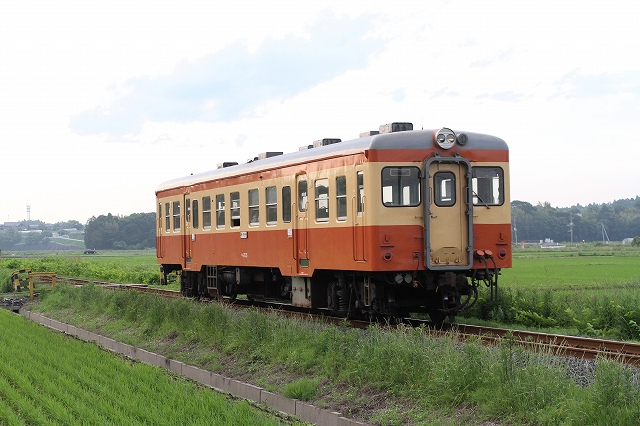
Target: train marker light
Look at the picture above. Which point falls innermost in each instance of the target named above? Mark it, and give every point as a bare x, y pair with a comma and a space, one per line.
445, 138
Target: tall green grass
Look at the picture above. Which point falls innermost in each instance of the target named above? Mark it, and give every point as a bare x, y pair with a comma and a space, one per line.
409, 367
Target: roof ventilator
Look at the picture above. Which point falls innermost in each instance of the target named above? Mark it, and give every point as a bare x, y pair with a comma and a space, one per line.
396, 127
227, 164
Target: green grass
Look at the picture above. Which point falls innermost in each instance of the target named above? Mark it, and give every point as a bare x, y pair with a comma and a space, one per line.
47, 378
392, 376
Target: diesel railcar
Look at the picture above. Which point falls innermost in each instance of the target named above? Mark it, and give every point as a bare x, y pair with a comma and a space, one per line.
395, 221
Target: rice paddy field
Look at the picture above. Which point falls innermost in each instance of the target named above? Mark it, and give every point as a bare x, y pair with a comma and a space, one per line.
47, 378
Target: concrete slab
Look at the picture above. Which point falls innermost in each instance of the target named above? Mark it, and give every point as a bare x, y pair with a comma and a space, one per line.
173, 365
220, 382
278, 402
244, 390
197, 374
312, 414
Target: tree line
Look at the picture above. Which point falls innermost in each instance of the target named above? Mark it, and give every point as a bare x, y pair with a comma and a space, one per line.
595, 222
133, 232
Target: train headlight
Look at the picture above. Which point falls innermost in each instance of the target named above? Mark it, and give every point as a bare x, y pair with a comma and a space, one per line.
445, 138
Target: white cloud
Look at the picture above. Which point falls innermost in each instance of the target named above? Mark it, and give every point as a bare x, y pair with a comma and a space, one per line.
98, 99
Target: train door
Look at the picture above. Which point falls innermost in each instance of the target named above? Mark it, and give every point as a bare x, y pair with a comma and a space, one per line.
301, 226
186, 234
358, 204
159, 235
448, 214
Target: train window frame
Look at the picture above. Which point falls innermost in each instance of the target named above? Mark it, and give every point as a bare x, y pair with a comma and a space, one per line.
254, 206
167, 216
444, 189
303, 196
286, 204
341, 198
187, 204
206, 212
195, 212
175, 211
321, 198
484, 199
234, 201
220, 212
360, 193
271, 204
398, 192
160, 217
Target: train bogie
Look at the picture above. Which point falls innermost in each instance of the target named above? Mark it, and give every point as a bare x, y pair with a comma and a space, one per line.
397, 222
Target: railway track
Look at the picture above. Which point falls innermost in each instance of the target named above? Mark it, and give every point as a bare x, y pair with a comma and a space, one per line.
564, 345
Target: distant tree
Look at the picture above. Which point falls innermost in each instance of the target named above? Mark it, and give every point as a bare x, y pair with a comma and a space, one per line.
136, 231
636, 242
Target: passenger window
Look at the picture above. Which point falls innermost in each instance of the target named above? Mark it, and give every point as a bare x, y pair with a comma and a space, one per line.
400, 186
360, 193
196, 218
488, 186
322, 200
206, 213
254, 207
271, 198
160, 216
220, 211
235, 209
167, 216
286, 204
444, 188
341, 197
302, 196
176, 216
188, 208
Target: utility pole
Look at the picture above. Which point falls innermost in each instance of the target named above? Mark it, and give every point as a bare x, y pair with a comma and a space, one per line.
571, 225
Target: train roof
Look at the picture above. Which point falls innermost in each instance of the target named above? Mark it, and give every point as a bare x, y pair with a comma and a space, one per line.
398, 140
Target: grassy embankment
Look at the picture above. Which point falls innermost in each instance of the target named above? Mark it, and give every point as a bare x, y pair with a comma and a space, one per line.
398, 377
47, 378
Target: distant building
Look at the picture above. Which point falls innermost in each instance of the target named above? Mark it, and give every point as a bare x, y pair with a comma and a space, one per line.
627, 241
11, 224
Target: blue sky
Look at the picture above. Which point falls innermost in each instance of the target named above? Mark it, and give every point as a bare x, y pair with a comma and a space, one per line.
102, 101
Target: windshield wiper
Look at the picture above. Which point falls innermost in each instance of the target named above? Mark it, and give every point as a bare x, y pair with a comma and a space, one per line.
481, 200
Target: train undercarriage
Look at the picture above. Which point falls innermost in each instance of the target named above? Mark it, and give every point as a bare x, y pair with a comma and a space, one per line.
344, 293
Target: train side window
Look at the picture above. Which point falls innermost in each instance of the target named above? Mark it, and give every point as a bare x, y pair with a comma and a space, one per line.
206, 212
254, 207
167, 217
196, 217
187, 204
176, 216
488, 186
234, 198
286, 204
271, 199
160, 217
322, 200
302, 196
220, 211
400, 186
444, 188
360, 192
341, 198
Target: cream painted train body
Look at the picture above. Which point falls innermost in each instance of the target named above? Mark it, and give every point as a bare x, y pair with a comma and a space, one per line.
393, 222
